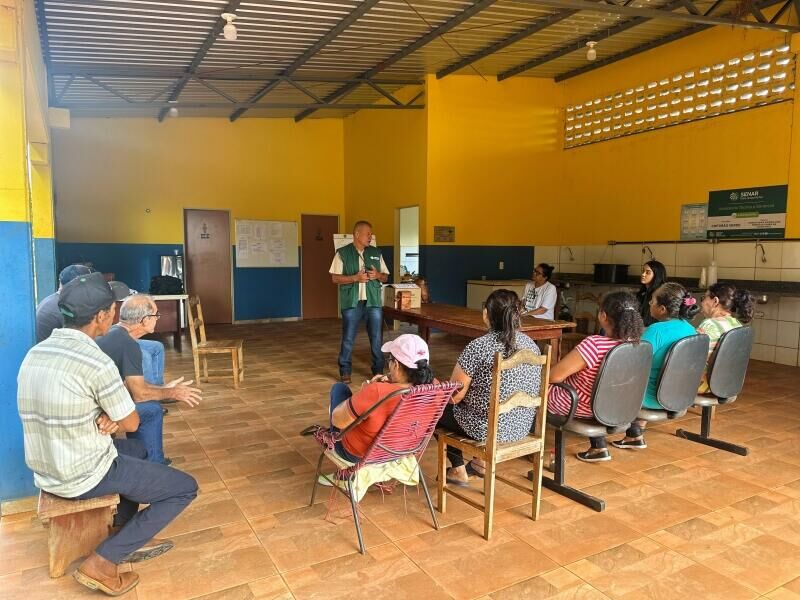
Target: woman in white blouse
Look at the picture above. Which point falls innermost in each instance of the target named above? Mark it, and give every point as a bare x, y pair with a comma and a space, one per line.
540, 295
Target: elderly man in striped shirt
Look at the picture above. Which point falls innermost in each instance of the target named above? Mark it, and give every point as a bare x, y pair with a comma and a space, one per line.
70, 399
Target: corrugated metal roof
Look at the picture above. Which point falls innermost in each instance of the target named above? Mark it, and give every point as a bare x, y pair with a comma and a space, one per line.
129, 56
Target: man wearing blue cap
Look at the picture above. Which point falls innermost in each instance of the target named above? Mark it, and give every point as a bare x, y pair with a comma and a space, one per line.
70, 399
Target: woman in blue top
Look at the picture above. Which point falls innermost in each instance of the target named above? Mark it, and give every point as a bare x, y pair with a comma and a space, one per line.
671, 307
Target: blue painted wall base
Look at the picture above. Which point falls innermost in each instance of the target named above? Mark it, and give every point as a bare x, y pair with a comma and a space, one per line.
17, 335
447, 268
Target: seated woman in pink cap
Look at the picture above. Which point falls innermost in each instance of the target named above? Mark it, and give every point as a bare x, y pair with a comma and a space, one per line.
408, 366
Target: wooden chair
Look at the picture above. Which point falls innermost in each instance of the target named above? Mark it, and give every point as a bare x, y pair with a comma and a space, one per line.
493, 452
75, 527
572, 339
204, 347
406, 432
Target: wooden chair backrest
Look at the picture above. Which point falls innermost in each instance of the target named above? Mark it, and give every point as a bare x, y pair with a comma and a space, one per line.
196, 323
518, 398
592, 324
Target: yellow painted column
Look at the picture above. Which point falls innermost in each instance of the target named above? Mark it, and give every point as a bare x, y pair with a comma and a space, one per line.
17, 321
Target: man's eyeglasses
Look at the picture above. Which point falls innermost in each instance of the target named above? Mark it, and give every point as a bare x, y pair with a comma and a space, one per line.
155, 316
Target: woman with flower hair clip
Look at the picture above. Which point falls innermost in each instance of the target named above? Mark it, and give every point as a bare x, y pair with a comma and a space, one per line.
672, 307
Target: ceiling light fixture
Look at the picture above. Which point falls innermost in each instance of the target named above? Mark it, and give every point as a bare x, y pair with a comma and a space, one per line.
591, 53
229, 31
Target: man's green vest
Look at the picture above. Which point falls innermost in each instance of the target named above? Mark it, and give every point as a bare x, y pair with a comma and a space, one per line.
348, 292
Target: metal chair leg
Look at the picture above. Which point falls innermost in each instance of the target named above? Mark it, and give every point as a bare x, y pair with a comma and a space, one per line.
428, 498
557, 485
316, 478
354, 506
704, 437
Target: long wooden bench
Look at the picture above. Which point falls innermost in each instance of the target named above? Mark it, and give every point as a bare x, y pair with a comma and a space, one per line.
76, 527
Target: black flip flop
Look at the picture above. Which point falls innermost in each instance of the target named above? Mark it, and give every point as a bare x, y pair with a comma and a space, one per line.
310, 430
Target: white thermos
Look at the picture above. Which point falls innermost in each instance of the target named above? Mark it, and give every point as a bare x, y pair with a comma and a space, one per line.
711, 276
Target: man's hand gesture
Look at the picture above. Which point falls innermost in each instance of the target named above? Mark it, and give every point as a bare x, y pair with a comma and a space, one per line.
183, 393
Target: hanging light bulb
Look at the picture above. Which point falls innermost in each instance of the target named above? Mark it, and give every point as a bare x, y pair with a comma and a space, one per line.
591, 53
173, 110
229, 31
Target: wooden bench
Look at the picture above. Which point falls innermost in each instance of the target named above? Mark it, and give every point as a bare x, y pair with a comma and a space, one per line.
76, 527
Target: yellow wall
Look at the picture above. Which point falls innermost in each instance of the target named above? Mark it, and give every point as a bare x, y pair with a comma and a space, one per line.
632, 188
497, 170
493, 158
109, 171
385, 166
13, 187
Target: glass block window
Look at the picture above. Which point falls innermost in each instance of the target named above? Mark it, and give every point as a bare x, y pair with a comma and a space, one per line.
753, 79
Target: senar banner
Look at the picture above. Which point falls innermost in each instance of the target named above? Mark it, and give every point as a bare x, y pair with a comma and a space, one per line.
757, 212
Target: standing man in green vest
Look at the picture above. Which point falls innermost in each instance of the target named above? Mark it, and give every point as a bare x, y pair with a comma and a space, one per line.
358, 269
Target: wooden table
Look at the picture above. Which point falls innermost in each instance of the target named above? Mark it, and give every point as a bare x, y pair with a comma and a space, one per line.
170, 321
469, 322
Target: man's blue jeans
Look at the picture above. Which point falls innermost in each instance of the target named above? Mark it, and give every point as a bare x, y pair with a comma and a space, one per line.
351, 319
151, 429
340, 394
137, 481
152, 361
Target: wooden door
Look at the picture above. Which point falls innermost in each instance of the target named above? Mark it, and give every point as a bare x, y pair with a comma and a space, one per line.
207, 239
320, 299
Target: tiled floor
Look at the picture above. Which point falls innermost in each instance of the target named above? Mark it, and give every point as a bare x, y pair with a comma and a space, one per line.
682, 520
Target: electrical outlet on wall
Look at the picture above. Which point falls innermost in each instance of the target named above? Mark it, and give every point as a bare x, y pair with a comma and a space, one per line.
501, 265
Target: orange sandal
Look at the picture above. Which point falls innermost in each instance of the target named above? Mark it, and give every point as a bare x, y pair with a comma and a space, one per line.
126, 581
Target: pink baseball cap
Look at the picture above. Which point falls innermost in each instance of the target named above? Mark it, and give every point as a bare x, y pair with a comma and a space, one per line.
407, 349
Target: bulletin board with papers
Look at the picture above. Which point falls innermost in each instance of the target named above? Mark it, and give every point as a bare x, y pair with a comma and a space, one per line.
266, 244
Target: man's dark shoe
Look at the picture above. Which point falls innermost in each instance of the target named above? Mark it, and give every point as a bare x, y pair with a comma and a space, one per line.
345, 378
151, 549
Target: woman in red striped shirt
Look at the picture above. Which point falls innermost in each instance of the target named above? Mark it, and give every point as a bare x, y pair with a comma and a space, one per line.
620, 319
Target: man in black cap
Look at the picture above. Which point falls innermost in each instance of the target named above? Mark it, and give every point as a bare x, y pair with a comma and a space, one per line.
70, 399
48, 317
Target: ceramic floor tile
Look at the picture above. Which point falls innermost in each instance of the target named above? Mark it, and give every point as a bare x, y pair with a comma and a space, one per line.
255, 459
762, 563
695, 581
269, 588
209, 509
629, 568
204, 562
23, 544
278, 491
718, 491
559, 584
383, 571
656, 512
404, 512
466, 565
788, 591
705, 537
304, 536
35, 584
683, 520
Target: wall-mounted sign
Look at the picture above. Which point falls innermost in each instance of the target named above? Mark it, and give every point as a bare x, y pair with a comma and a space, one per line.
205, 235
444, 233
758, 212
693, 221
